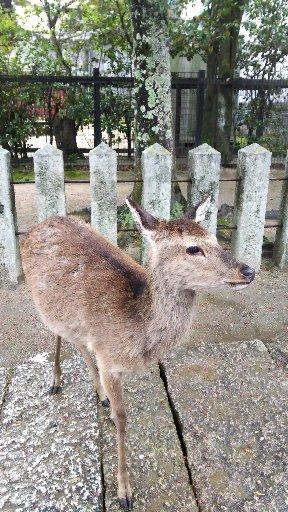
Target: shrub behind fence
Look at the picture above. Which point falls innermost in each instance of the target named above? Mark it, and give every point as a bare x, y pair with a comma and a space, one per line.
204, 171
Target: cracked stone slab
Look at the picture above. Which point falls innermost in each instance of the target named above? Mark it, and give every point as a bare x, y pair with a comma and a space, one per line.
158, 476
3, 382
232, 403
49, 446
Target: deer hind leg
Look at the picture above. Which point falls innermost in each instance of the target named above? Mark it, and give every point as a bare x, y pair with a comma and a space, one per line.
113, 387
56, 375
95, 375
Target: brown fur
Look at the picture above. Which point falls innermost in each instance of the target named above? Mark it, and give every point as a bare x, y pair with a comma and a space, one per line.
94, 295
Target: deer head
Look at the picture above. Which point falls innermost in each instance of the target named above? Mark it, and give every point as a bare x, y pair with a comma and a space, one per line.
186, 254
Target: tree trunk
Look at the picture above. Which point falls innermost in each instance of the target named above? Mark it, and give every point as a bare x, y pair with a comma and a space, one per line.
221, 64
7, 4
209, 130
65, 133
152, 75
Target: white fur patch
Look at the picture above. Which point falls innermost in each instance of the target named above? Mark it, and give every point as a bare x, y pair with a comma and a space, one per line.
202, 210
145, 232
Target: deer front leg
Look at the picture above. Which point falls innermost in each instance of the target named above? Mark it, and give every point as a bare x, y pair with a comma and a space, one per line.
56, 375
94, 374
113, 387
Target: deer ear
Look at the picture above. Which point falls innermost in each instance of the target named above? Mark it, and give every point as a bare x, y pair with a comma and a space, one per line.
198, 212
144, 220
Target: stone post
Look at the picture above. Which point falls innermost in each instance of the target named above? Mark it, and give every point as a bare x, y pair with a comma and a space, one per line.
280, 254
103, 180
9, 242
49, 180
250, 204
204, 172
156, 170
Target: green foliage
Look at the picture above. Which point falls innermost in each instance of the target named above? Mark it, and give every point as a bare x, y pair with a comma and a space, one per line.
18, 120
210, 29
23, 175
177, 210
276, 142
264, 118
264, 46
27, 174
125, 219
117, 113
224, 222
58, 37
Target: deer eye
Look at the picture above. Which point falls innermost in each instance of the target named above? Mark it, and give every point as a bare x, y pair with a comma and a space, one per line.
194, 249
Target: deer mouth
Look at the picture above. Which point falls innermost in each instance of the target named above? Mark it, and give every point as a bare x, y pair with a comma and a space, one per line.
238, 286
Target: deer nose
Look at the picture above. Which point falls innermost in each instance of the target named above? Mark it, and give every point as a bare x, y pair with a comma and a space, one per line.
248, 272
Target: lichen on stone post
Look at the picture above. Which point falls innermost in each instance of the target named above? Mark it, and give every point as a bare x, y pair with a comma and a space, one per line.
9, 243
250, 204
49, 181
204, 172
103, 180
280, 254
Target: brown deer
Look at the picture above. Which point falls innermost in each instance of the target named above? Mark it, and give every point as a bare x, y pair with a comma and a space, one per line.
91, 293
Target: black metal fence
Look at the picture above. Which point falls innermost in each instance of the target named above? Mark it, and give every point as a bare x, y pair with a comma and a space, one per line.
260, 105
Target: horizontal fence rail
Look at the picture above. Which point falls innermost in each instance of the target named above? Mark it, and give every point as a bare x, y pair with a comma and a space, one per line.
248, 222
141, 181
185, 82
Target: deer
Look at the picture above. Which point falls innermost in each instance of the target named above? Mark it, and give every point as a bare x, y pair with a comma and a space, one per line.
121, 315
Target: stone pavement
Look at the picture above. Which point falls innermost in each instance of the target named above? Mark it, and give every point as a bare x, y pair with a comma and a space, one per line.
232, 404
49, 446
209, 434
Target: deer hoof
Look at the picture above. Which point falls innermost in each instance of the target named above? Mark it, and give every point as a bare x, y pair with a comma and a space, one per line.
126, 503
106, 402
54, 390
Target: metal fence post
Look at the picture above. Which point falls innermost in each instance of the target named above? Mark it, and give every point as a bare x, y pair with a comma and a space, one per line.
200, 93
97, 107
280, 254
103, 180
49, 181
250, 203
177, 120
9, 243
204, 172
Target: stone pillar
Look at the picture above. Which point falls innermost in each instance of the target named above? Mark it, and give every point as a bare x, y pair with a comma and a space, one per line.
49, 180
204, 172
250, 204
280, 254
156, 170
9, 242
103, 180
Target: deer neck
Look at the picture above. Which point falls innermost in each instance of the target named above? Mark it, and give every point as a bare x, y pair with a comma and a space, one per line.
170, 314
